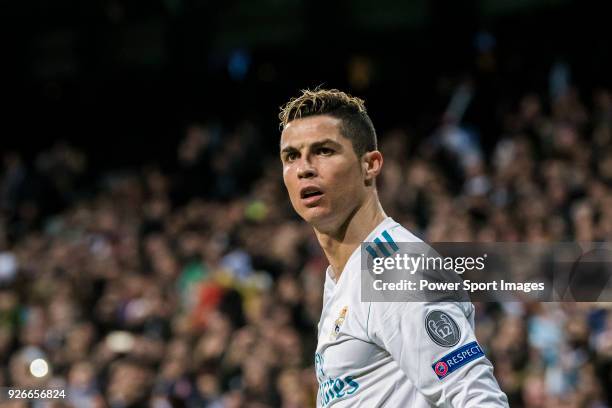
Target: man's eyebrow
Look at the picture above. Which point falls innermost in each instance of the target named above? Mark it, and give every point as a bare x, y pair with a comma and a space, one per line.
289, 149
312, 145
326, 141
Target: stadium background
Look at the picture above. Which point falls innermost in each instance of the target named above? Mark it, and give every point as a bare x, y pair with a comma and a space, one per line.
147, 251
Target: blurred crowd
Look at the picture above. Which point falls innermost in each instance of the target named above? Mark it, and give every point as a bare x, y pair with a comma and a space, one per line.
198, 286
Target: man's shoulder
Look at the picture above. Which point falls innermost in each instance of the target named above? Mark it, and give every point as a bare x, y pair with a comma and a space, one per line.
401, 234
388, 239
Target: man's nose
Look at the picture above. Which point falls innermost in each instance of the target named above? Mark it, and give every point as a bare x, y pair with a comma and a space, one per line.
306, 169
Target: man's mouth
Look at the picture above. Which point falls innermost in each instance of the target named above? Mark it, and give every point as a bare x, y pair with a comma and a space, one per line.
310, 192
310, 195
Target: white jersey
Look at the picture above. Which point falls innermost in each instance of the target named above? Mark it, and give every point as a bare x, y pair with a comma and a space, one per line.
380, 354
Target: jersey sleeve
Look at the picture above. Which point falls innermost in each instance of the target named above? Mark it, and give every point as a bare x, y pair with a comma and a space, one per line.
435, 346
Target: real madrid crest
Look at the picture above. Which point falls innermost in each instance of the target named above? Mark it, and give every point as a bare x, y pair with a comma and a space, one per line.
338, 323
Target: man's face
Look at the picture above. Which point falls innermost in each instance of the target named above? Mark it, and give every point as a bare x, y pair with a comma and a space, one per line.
321, 171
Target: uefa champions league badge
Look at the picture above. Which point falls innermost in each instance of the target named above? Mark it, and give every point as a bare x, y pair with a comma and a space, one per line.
442, 328
338, 323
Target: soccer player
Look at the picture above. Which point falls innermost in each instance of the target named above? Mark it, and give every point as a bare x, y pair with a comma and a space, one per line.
371, 354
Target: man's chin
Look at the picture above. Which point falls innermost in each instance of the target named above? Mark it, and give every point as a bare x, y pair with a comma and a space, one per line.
316, 215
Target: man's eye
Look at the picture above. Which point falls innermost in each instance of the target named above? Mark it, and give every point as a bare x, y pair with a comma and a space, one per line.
325, 151
291, 157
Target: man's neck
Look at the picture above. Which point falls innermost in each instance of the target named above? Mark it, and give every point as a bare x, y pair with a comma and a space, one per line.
342, 241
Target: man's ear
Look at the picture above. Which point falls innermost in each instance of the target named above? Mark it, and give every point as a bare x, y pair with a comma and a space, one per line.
372, 164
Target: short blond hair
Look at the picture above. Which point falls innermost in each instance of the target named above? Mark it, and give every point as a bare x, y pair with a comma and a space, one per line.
356, 124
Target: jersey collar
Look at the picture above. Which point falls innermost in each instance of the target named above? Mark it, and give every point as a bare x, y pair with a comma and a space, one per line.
384, 224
